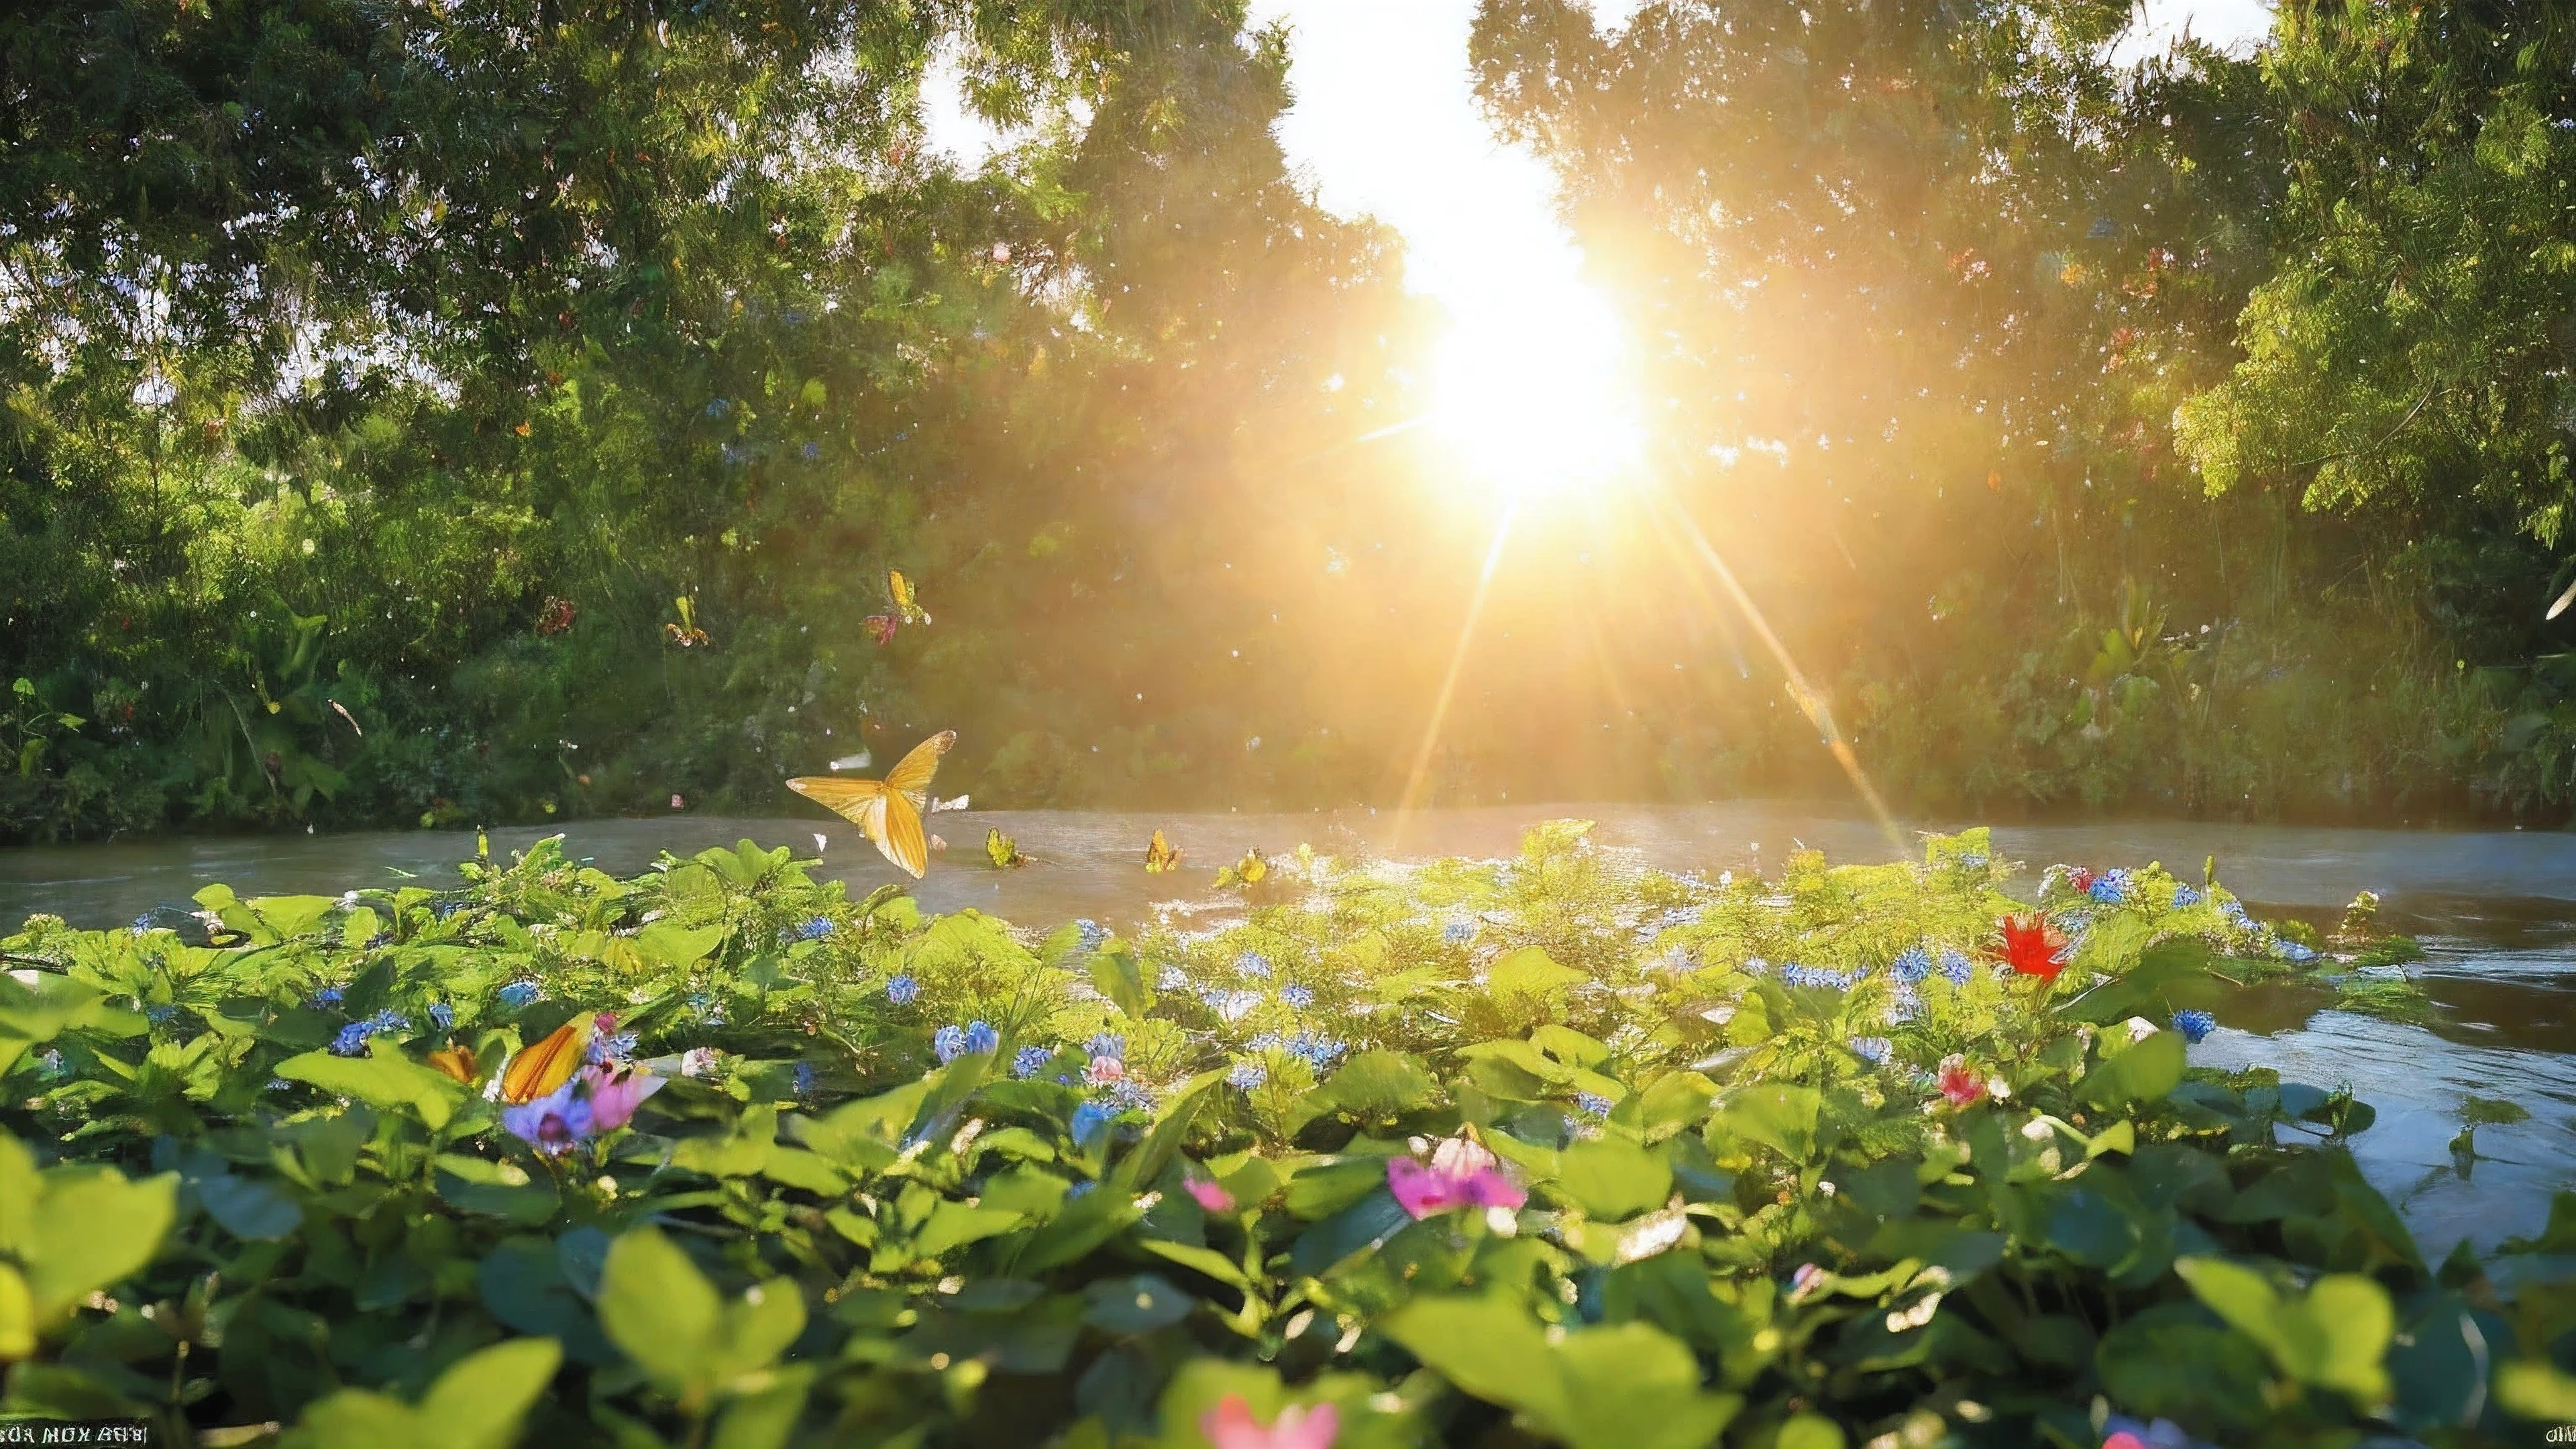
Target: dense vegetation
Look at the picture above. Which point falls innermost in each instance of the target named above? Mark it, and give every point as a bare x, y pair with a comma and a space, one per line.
1551, 1150
494, 412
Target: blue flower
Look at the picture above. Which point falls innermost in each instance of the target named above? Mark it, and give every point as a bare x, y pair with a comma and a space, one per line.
1091, 933
1956, 966
1872, 1049
813, 451
1756, 966
1593, 1103
2194, 1024
513, 996
1079, 1189
2234, 910
143, 924
901, 990
1458, 933
159, 1015
717, 407
981, 1039
613, 1047
2110, 888
1030, 1061
2295, 953
1248, 1075
814, 929
1819, 976
1297, 997
1912, 964
1267, 1041
352, 1040
445, 909
1251, 963
1172, 979
804, 1079
388, 1020
1131, 1097
1903, 1005
1107, 1044
1089, 1121
1319, 1052
949, 1042
327, 997
2185, 896
443, 1014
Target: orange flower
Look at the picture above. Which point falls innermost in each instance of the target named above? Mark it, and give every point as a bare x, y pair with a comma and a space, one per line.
2032, 949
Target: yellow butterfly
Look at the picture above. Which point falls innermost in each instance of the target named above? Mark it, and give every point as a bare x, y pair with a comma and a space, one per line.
457, 1062
907, 610
1160, 856
888, 810
1247, 871
1004, 851
539, 1069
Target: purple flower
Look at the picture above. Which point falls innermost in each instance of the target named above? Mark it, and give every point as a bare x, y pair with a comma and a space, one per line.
1593, 1103
948, 1043
554, 1123
2194, 1024
901, 990
1107, 1044
1030, 1061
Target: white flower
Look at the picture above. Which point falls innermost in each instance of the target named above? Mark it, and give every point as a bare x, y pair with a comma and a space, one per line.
2140, 1028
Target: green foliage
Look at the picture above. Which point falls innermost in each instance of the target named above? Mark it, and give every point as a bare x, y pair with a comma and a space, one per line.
836, 1220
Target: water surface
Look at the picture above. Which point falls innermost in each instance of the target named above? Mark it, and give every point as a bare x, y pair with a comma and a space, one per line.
2495, 910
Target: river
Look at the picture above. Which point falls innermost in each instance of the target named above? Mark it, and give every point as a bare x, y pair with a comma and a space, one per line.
2496, 912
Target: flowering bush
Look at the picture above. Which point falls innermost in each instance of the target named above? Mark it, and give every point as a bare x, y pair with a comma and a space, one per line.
1597, 1175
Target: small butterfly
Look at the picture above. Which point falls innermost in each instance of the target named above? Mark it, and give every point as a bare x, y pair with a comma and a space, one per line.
685, 633
889, 810
1244, 872
538, 1070
457, 1062
907, 610
937, 804
1004, 851
1161, 855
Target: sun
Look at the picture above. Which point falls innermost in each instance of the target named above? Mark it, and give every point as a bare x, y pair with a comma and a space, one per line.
1531, 399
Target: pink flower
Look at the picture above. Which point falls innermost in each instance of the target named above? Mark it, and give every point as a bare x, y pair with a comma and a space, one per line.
615, 1093
1805, 1280
2124, 1440
1230, 1426
2080, 878
1211, 1194
1462, 1174
1104, 1070
1959, 1086
679, 802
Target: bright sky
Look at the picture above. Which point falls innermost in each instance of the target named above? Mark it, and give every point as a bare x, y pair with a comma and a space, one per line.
1385, 125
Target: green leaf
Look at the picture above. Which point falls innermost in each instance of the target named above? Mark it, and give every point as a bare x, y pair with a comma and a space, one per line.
1778, 1115
248, 1209
1613, 1179
668, 943
2334, 1336
657, 1306
74, 1230
1529, 983
1374, 1086
2146, 1071
478, 1403
384, 1079
1135, 1305
1118, 977
500, 1189
1628, 1386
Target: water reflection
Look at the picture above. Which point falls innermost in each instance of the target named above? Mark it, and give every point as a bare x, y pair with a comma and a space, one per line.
2496, 912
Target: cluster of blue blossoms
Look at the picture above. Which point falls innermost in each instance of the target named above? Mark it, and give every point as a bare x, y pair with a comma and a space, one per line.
1593, 1103
901, 990
513, 996
352, 1040
1873, 1049
814, 929
2194, 1024
1819, 976
975, 1038
2111, 887
2186, 896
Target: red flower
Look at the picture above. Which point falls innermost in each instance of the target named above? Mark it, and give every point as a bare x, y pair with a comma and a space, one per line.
2081, 879
1960, 1087
2032, 949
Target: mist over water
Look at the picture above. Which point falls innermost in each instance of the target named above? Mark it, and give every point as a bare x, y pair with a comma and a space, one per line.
2496, 912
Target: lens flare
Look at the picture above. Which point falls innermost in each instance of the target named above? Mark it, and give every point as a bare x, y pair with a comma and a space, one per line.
1530, 396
